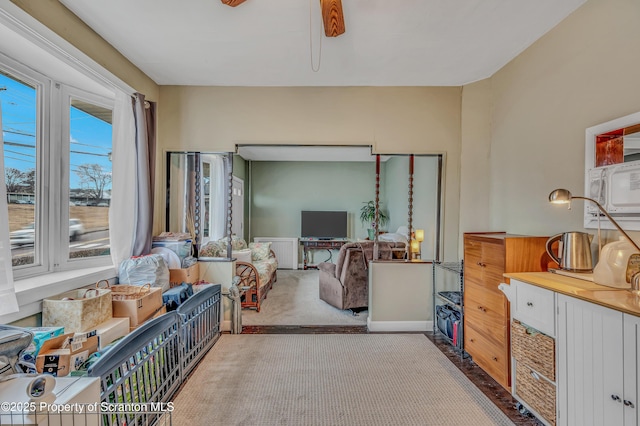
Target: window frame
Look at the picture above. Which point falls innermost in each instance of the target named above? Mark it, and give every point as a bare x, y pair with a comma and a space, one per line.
68, 93
42, 84
53, 103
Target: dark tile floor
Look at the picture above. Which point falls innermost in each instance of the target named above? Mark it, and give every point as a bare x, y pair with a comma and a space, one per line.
496, 393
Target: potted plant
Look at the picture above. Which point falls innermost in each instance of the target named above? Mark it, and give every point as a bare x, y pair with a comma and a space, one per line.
368, 216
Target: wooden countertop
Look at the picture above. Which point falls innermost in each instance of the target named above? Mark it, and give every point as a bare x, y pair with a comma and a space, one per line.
619, 299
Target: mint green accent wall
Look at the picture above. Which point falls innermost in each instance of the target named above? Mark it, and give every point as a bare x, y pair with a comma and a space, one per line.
281, 190
425, 185
239, 167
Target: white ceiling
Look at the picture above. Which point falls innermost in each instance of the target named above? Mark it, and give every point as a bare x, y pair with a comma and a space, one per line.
272, 42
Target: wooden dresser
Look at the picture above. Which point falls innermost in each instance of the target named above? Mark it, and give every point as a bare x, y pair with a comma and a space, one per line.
487, 256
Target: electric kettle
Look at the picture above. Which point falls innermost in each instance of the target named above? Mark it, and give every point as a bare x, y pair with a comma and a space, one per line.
574, 251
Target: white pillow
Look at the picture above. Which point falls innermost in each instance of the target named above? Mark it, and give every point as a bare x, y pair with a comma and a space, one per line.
393, 238
242, 255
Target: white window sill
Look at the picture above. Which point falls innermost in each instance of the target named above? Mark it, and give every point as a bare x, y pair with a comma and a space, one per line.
31, 291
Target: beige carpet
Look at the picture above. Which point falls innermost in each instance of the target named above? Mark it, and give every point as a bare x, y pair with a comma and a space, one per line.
294, 300
330, 379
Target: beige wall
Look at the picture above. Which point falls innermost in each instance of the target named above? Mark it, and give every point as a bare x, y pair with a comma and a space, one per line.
400, 296
421, 120
582, 73
475, 156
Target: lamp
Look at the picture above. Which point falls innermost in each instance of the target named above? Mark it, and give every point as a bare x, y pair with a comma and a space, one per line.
563, 196
416, 243
415, 249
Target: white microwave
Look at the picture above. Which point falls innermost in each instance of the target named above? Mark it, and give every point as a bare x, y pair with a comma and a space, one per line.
612, 173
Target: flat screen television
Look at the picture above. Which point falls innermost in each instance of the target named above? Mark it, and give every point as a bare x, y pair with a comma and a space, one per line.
324, 225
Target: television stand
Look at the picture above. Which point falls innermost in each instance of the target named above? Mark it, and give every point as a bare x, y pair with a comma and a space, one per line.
319, 244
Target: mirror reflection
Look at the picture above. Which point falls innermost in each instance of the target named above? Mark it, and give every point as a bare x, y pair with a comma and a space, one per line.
196, 185
272, 186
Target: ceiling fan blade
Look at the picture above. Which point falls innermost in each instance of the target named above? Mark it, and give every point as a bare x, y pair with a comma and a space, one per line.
233, 3
332, 17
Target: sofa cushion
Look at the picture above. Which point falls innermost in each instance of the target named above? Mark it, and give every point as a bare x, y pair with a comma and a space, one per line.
242, 255
237, 243
265, 270
260, 251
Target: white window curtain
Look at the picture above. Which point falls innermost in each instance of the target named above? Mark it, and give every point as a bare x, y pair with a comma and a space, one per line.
8, 300
123, 210
217, 188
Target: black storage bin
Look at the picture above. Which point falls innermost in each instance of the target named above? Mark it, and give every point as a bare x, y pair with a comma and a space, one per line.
446, 317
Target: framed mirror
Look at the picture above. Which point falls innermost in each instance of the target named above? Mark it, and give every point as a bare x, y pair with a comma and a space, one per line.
196, 198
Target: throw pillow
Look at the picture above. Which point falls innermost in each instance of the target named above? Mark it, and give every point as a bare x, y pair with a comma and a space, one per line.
260, 251
211, 249
242, 255
236, 242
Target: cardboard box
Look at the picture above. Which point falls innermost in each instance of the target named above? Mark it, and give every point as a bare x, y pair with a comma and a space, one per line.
159, 312
40, 335
111, 330
63, 354
190, 275
138, 310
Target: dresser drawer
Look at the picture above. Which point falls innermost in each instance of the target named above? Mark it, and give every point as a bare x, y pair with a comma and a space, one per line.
487, 312
484, 263
490, 356
535, 307
492, 330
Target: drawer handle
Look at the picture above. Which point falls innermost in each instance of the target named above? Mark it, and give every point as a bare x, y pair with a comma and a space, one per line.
481, 264
534, 375
482, 309
495, 358
616, 398
530, 304
629, 404
472, 340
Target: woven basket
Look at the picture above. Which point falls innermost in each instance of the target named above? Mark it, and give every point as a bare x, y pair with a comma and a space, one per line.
536, 391
124, 291
533, 349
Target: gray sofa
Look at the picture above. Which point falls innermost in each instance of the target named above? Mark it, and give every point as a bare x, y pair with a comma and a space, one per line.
345, 284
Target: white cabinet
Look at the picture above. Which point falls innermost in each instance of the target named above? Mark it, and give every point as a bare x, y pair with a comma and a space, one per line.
591, 370
597, 370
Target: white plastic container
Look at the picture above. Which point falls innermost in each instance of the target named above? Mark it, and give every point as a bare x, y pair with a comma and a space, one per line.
611, 270
181, 248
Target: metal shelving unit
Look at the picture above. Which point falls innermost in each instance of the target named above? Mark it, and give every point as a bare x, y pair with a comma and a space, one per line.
449, 297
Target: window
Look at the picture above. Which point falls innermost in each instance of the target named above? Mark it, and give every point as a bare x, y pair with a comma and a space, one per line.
57, 148
89, 172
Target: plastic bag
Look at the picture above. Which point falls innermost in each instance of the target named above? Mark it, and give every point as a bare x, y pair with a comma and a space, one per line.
141, 270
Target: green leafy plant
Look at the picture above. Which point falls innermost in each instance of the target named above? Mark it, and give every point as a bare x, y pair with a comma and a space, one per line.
368, 215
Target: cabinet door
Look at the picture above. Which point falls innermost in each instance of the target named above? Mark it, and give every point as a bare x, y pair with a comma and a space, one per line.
590, 364
631, 369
